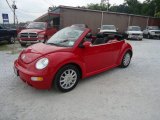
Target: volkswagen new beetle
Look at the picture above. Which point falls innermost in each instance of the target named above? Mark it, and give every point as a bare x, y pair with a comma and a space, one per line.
70, 55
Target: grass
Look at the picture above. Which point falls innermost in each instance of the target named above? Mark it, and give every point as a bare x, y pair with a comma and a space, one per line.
4, 48
10, 48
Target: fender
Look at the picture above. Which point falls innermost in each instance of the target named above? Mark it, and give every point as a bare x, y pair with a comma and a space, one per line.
126, 47
59, 59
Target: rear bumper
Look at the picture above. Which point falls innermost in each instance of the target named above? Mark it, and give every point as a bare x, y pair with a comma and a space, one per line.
25, 75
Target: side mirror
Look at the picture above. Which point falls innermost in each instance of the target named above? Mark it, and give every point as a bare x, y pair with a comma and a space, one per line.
86, 44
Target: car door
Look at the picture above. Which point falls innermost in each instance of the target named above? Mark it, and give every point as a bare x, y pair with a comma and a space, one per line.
97, 57
50, 31
93, 57
3, 33
145, 31
112, 50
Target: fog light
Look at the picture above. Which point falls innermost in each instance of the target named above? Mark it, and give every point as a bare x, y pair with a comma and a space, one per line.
37, 78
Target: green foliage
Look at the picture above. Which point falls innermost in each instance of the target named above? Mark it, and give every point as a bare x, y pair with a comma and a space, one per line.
147, 8
157, 14
102, 7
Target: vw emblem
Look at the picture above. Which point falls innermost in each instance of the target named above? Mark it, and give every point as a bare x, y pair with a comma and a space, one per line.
23, 56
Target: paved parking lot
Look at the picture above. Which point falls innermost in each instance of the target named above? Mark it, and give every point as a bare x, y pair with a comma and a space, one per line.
118, 94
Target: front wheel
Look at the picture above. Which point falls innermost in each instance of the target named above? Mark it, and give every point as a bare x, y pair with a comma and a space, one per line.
126, 60
67, 78
149, 36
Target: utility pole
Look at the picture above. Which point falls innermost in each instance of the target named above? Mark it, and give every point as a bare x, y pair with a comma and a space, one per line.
107, 5
14, 7
14, 10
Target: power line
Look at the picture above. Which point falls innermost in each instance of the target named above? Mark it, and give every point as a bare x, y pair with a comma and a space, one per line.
11, 9
9, 5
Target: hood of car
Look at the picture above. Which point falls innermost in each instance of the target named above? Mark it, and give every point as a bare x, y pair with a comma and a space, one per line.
38, 50
134, 32
32, 31
154, 30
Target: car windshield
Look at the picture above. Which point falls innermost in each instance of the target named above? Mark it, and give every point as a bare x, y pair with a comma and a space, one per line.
37, 25
66, 37
135, 28
108, 27
153, 28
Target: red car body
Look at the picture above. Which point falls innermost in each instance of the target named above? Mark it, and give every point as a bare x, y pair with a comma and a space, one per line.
90, 59
35, 35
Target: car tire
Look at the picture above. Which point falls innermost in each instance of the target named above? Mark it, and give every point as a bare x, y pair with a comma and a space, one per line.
11, 40
149, 36
144, 36
126, 60
67, 78
23, 44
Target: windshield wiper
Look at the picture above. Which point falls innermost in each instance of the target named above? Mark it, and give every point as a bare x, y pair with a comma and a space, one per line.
59, 45
64, 41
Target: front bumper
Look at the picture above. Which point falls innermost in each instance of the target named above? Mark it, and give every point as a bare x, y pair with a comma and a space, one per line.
135, 36
26, 75
31, 40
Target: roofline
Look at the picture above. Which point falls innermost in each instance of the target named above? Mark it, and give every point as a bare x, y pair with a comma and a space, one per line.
85, 9
46, 14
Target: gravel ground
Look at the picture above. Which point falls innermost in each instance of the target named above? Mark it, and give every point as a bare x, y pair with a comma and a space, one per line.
118, 94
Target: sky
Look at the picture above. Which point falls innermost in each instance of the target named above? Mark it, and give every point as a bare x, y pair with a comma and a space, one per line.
29, 10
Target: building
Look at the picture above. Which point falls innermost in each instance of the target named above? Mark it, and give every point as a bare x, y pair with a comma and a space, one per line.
64, 16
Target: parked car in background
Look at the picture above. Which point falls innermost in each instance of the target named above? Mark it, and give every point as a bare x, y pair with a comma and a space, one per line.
108, 29
7, 34
68, 56
151, 32
134, 32
36, 32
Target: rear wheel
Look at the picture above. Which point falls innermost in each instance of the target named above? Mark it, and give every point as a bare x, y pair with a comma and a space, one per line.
67, 78
126, 60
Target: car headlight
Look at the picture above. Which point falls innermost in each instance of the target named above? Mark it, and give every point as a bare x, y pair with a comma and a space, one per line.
41, 35
42, 63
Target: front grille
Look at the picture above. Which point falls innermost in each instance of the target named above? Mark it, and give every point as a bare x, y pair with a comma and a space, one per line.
135, 34
28, 35
157, 32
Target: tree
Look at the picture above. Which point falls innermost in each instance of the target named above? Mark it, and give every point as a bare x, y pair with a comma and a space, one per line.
102, 7
147, 8
123, 8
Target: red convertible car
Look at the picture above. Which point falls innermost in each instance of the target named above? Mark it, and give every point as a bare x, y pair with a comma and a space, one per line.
69, 55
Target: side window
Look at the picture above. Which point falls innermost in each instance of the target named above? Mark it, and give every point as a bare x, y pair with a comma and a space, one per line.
88, 37
1, 27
